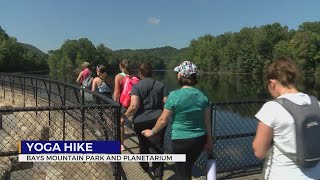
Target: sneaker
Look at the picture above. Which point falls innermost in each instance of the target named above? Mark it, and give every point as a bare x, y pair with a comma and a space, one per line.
122, 148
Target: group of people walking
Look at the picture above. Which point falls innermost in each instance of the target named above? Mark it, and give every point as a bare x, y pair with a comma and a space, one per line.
151, 108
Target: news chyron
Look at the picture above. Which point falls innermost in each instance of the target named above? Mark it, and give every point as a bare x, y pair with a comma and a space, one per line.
85, 151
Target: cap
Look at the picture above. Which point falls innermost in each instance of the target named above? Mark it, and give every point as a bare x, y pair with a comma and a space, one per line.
186, 69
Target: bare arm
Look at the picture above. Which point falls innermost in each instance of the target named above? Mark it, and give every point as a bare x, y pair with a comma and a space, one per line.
165, 99
117, 86
262, 142
161, 123
79, 77
134, 106
94, 84
207, 122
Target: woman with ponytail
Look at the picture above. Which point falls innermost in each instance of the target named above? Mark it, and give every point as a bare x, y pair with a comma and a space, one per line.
124, 67
100, 83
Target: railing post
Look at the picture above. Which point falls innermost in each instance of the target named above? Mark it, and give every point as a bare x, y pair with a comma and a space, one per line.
60, 94
12, 90
117, 137
64, 113
82, 115
24, 92
33, 88
36, 95
3, 84
213, 124
0, 121
49, 101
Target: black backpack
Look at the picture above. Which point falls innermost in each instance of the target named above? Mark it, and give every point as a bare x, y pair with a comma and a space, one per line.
307, 125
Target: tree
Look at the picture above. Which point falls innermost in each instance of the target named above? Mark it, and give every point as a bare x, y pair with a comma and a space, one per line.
306, 49
310, 26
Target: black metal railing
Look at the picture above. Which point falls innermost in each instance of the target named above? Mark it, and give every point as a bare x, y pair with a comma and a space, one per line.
234, 127
233, 130
50, 109
36, 108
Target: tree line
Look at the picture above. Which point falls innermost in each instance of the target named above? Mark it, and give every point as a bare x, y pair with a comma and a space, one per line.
248, 51
19, 57
251, 49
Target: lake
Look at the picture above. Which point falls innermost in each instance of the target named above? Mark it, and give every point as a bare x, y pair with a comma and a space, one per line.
230, 119
226, 87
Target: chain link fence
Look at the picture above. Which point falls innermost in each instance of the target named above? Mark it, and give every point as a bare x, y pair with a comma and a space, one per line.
34, 108
233, 130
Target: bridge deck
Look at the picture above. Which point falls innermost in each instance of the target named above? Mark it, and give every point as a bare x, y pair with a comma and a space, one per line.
134, 172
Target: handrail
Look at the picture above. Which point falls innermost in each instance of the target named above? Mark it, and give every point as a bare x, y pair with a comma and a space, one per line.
100, 96
64, 98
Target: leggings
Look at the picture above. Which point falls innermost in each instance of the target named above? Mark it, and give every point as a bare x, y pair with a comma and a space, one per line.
192, 147
153, 145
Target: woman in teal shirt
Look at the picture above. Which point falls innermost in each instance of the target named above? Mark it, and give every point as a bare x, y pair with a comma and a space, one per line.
190, 112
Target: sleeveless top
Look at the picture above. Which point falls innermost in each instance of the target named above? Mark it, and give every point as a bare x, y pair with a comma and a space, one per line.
121, 85
104, 88
85, 74
123, 74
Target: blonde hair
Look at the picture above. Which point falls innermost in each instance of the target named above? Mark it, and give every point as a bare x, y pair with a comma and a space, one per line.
85, 65
125, 65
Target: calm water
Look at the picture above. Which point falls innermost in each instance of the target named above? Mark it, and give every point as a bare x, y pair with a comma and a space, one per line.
222, 87
231, 119
226, 87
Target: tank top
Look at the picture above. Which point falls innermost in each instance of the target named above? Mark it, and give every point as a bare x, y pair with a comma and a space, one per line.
85, 74
121, 86
123, 74
103, 88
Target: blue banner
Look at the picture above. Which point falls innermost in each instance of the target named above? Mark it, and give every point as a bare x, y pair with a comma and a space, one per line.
67, 147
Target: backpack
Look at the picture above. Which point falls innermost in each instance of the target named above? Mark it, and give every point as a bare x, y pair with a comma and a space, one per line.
307, 126
87, 82
127, 83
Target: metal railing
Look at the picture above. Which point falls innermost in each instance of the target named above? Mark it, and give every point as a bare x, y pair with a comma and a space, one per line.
47, 109
234, 127
233, 130
42, 109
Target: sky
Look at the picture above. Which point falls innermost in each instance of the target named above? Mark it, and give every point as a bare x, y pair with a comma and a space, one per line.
142, 24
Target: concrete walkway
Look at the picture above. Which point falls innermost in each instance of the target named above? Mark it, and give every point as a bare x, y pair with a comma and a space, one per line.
133, 171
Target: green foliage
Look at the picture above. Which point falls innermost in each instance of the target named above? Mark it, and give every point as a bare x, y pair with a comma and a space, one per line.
161, 58
18, 57
310, 26
251, 49
306, 50
248, 51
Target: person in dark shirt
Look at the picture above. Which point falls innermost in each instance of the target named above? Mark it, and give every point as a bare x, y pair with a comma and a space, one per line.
147, 99
191, 123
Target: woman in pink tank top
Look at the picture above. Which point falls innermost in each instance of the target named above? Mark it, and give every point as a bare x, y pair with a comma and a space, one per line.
84, 73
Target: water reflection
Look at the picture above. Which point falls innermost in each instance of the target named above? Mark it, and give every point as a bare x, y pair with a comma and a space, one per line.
221, 87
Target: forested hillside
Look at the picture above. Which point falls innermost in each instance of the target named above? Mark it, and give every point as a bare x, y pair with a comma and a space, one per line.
18, 57
246, 51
